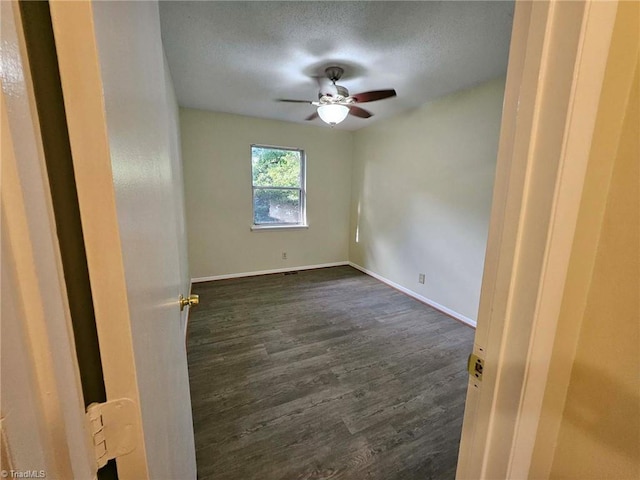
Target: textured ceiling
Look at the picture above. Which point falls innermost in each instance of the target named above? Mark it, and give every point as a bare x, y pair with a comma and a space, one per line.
239, 57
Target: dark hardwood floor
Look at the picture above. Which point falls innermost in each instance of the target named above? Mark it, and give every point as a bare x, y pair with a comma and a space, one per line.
324, 374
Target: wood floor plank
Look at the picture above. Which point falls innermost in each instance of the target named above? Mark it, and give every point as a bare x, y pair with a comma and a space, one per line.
324, 374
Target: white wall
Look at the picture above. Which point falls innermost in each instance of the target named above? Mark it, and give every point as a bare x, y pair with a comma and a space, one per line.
599, 434
217, 169
421, 196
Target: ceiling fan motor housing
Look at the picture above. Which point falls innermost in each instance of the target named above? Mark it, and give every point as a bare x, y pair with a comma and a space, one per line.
334, 73
342, 91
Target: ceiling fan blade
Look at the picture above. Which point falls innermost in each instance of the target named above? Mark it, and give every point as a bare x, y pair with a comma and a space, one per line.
313, 116
359, 112
373, 95
293, 101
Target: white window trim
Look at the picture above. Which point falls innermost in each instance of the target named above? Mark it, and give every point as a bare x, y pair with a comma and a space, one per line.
303, 193
279, 226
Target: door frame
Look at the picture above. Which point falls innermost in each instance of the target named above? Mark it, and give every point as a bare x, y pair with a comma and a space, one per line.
491, 443
47, 429
554, 83
81, 79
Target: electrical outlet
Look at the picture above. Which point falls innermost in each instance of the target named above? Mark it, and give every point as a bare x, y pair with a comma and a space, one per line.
421, 278
284, 255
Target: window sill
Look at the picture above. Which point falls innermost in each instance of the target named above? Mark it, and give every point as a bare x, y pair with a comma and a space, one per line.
260, 228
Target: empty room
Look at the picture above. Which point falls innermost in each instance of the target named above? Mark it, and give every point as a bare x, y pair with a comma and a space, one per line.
338, 261
320, 240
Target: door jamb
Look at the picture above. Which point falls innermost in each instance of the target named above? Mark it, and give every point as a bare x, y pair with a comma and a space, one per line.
553, 85
39, 292
81, 80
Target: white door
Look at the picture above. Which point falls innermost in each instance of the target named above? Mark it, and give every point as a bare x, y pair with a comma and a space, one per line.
123, 131
556, 66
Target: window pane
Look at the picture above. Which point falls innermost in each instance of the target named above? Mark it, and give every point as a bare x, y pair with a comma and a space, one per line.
271, 205
275, 168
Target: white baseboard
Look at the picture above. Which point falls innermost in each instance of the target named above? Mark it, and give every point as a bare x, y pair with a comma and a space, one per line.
266, 272
411, 293
417, 296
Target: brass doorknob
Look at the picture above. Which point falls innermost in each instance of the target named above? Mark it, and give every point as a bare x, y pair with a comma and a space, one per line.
189, 301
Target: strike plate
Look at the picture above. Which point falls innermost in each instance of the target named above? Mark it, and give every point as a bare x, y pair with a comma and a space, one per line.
475, 365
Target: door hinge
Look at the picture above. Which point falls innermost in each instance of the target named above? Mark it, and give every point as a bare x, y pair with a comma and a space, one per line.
112, 425
475, 365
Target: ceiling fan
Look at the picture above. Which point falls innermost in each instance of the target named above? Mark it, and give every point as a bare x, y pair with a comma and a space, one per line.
334, 102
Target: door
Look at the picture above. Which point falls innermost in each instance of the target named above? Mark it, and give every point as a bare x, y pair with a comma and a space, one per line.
556, 66
123, 132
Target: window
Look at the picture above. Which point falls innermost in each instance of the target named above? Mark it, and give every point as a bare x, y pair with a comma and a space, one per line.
278, 186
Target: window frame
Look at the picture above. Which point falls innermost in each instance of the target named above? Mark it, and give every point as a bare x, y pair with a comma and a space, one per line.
302, 189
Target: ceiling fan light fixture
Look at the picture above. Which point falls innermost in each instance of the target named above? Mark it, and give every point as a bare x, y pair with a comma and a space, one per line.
333, 114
